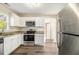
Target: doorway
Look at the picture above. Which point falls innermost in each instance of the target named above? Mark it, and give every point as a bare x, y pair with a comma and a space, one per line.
48, 32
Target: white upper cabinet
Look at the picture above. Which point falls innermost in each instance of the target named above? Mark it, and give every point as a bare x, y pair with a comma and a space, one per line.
14, 20
22, 22
39, 21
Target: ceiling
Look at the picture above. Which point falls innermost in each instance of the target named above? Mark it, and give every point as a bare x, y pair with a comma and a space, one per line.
45, 9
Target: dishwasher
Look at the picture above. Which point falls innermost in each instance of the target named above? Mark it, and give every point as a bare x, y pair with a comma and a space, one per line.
1, 46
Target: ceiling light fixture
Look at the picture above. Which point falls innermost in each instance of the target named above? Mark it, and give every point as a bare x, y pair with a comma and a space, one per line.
33, 5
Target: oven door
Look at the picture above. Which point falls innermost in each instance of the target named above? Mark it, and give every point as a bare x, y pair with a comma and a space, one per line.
28, 37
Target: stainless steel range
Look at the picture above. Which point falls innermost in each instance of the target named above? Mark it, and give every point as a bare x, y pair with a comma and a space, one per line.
29, 35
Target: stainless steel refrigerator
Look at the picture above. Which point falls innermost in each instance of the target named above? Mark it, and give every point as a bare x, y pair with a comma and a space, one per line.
68, 32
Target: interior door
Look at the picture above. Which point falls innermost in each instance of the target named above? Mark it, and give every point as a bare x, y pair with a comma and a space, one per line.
48, 31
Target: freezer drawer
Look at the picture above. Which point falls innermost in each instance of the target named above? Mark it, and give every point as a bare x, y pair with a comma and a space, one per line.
70, 45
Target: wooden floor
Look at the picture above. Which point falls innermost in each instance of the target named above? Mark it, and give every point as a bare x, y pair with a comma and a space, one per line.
50, 48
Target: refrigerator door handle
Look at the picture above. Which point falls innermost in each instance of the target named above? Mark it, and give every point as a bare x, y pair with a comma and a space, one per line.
59, 33
59, 39
58, 30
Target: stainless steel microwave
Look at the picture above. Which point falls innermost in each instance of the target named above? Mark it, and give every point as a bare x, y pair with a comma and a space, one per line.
30, 23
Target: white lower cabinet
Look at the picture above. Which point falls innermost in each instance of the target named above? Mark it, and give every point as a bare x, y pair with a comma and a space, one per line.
21, 38
39, 39
11, 43
7, 45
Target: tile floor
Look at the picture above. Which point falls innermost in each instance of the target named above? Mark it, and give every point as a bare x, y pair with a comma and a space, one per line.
50, 48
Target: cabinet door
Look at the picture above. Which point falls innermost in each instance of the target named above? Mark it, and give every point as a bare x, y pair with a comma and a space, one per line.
22, 23
40, 21
7, 45
15, 20
21, 39
17, 40
39, 39
14, 43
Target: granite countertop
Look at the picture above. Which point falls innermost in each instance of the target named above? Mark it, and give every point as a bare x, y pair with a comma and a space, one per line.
39, 32
1, 36
5, 34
